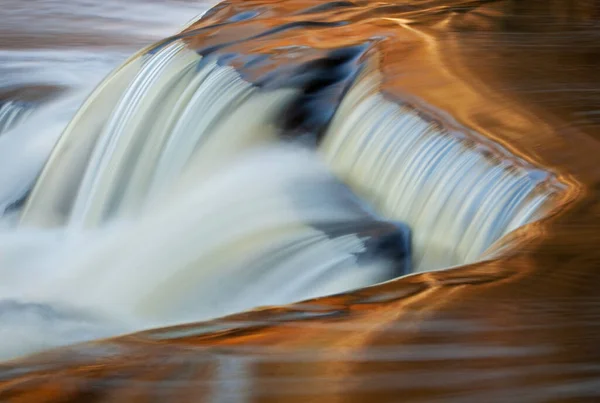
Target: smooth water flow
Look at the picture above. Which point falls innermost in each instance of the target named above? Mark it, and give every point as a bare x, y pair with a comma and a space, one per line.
457, 200
174, 195
170, 198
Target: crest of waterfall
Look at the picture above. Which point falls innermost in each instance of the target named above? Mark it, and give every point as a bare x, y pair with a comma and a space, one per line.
457, 200
157, 115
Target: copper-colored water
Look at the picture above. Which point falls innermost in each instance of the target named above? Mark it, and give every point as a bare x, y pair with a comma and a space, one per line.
522, 327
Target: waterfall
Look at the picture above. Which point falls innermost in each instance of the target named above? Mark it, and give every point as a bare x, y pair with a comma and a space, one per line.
175, 195
126, 147
272, 227
172, 197
457, 200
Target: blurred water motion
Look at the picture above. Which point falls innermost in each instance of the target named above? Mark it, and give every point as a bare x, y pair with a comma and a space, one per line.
50, 48
475, 122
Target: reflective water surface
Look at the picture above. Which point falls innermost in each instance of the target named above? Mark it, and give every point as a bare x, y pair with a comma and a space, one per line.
515, 83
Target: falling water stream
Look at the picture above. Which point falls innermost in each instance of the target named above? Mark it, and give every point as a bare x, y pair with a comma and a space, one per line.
180, 191
52, 55
290, 199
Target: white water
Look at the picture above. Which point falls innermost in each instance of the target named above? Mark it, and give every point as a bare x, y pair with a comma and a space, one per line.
169, 197
457, 201
149, 213
71, 45
240, 238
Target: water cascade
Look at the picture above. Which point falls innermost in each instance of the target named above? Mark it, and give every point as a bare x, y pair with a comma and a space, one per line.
426, 169
240, 238
183, 191
458, 199
174, 186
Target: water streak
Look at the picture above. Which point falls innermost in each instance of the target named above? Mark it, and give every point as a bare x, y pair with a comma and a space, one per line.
458, 200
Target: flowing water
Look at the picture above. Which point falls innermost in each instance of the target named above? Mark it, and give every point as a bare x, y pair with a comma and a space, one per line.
240, 164
172, 196
53, 54
114, 208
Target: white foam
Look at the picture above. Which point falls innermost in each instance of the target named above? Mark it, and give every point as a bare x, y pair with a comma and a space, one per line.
244, 236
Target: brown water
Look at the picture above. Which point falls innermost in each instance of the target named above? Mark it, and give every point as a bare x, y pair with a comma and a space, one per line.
519, 327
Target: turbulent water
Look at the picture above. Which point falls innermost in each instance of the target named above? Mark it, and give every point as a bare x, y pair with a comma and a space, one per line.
277, 152
181, 191
117, 236
52, 55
